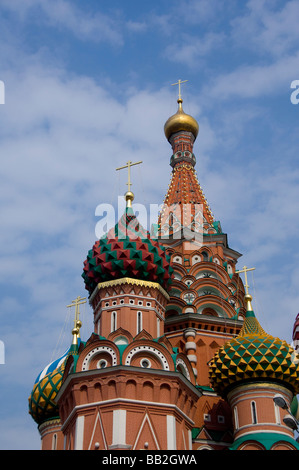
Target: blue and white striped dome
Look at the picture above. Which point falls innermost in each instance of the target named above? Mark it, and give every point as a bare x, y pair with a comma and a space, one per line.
42, 404
52, 366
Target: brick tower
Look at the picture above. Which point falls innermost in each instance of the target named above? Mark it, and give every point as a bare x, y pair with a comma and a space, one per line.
206, 306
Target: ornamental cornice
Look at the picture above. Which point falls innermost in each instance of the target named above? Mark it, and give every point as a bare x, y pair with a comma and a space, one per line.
129, 280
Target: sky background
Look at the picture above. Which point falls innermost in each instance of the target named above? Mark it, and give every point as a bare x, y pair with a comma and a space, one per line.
88, 87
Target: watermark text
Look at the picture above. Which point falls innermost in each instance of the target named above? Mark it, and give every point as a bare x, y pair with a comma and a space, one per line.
2, 92
176, 221
295, 94
2, 352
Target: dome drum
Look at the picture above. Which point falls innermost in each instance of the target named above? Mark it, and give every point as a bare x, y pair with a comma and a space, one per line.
183, 156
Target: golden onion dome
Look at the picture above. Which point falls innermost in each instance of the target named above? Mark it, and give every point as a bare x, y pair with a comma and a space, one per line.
180, 121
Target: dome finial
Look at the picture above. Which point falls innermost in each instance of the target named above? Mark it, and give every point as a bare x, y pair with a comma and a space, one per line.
179, 82
247, 297
129, 196
77, 323
180, 121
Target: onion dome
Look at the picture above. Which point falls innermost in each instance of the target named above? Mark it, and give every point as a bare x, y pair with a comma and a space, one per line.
42, 405
180, 121
127, 251
296, 333
254, 355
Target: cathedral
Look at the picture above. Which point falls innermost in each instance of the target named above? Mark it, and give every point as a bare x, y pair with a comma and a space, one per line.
177, 359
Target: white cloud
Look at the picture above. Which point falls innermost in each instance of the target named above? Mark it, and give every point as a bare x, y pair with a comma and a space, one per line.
199, 12
189, 49
268, 27
251, 81
65, 15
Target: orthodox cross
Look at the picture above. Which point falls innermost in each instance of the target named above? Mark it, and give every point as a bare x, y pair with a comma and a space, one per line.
75, 303
245, 270
179, 82
128, 165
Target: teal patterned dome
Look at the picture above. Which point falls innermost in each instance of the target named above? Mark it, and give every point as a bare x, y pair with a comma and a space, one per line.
254, 355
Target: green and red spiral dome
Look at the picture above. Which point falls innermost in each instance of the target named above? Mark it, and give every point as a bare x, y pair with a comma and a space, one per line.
127, 251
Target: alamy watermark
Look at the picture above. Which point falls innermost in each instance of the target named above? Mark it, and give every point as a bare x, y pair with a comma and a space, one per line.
2, 352
177, 221
2, 92
295, 94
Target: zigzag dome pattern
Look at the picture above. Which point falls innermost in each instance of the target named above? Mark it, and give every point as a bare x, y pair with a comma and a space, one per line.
127, 251
254, 355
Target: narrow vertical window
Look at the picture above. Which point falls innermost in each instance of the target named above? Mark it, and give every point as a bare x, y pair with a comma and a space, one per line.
253, 413
158, 327
236, 418
277, 414
113, 321
139, 322
54, 442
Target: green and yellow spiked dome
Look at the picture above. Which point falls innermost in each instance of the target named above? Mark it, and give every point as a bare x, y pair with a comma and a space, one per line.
42, 404
254, 356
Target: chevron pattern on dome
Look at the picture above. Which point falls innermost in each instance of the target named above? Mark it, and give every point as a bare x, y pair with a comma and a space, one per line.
252, 326
127, 251
254, 355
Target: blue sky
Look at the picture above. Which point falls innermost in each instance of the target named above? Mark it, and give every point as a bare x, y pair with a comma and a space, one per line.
88, 87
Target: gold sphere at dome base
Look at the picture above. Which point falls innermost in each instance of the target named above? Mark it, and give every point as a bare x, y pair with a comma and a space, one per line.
129, 197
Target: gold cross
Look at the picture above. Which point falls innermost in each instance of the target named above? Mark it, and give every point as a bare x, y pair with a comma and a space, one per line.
128, 165
245, 270
75, 303
179, 82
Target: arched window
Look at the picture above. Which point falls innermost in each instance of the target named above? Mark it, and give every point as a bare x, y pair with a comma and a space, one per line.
205, 256
229, 269
113, 321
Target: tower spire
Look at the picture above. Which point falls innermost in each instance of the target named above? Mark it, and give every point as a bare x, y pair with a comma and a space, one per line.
184, 197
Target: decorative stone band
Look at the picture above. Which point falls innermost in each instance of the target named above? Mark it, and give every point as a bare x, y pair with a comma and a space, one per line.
189, 332
51, 423
192, 358
190, 345
129, 280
